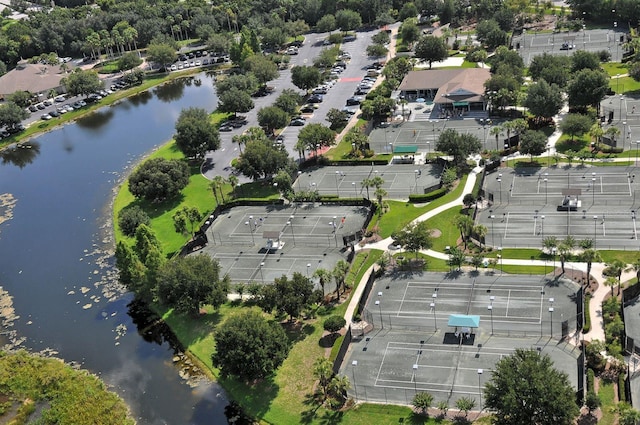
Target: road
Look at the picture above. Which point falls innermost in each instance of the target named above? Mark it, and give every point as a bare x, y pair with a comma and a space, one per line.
219, 162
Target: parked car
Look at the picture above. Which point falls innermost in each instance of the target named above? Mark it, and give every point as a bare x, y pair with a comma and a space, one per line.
316, 98
297, 122
54, 113
320, 90
45, 117
60, 98
34, 108
355, 100
48, 102
225, 127
307, 109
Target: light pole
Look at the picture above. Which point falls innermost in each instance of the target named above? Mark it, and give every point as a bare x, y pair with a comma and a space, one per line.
633, 217
595, 236
480, 371
308, 267
380, 310
593, 190
290, 224
355, 191
299, 174
492, 217
553, 252
353, 373
483, 123
490, 308
337, 185
500, 181
545, 190
413, 378
542, 226
551, 315
415, 174
248, 223
637, 143
500, 259
435, 320
261, 275
428, 149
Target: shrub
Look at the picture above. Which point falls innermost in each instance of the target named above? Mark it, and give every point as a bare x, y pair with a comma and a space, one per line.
428, 196
158, 179
334, 323
591, 376
587, 316
622, 394
130, 218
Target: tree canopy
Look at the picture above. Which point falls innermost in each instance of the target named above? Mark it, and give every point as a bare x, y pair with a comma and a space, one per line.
526, 389
533, 142
305, 77
261, 157
544, 99
431, 49
288, 296
315, 134
186, 283
11, 115
271, 118
249, 346
158, 179
458, 145
587, 88
195, 134
235, 100
414, 237
82, 82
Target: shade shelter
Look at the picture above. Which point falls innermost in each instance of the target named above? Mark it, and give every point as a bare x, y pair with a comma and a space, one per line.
464, 324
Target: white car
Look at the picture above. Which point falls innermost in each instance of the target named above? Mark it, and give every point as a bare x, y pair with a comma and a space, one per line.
174, 67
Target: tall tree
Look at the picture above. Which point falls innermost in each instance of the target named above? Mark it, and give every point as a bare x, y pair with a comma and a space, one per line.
271, 118
305, 77
587, 88
249, 346
82, 82
533, 142
11, 115
545, 397
414, 237
544, 99
186, 219
431, 49
458, 145
590, 256
195, 134
348, 20
234, 100
186, 283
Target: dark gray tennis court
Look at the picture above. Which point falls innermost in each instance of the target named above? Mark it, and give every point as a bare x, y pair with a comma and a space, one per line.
412, 348
525, 206
259, 244
399, 180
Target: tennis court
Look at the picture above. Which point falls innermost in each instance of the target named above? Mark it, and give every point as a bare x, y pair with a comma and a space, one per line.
413, 349
259, 244
587, 203
347, 182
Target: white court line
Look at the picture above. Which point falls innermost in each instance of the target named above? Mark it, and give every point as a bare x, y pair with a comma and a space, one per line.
404, 296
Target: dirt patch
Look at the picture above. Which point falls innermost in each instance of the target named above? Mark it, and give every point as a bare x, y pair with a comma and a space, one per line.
436, 233
7, 203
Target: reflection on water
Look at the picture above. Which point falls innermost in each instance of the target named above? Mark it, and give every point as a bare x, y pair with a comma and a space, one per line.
56, 256
172, 90
141, 98
96, 120
20, 154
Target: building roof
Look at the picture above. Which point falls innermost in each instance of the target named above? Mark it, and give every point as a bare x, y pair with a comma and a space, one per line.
405, 149
34, 78
464, 321
452, 85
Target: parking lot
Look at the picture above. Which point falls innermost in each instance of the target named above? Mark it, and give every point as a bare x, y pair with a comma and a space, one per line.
301, 239
412, 348
523, 206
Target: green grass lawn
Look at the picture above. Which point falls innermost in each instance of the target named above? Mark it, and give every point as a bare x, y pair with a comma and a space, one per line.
402, 213
615, 68
607, 397
449, 233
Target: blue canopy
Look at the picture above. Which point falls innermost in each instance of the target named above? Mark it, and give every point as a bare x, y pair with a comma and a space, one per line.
464, 321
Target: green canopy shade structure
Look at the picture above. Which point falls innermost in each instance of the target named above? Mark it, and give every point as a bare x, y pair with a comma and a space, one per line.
460, 104
402, 150
464, 321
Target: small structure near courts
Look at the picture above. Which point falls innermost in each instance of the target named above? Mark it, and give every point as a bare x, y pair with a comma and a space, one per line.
405, 154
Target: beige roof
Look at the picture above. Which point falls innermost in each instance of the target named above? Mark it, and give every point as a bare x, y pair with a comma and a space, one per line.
452, 85
34, 78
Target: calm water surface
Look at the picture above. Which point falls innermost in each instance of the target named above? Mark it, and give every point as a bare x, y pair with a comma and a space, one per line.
55, 253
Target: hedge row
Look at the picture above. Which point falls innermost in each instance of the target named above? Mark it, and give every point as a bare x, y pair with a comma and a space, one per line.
428, 196
622, 394
587, 316
591, 376
611, 150
336, 348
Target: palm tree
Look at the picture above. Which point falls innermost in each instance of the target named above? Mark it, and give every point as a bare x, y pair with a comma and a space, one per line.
219, 181
323, 370
339, 274
635, 267
611, 281
590, 256
596, 132
612, 132
549, 243
464, 223
481, 231
233, 181
324, 276
339, 385
564, 252
379, 194
496, 131
615, 269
